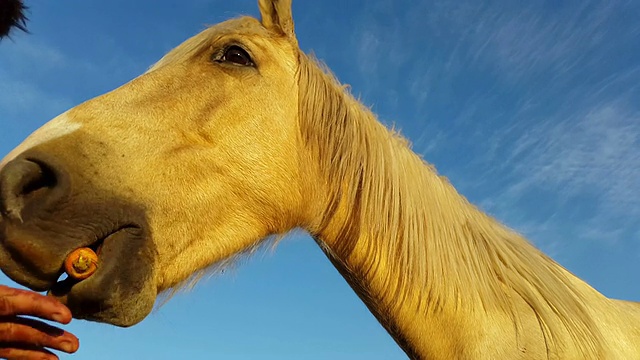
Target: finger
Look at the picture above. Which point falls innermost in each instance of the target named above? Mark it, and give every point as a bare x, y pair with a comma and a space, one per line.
15, 352
36, 333
24, 302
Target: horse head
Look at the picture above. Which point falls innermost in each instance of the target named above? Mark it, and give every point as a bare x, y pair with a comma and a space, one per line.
188, 164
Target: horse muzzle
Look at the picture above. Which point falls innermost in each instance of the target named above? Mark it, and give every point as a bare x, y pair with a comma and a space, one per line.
45, 214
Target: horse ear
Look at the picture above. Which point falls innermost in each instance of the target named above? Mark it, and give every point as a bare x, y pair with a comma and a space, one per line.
276, 16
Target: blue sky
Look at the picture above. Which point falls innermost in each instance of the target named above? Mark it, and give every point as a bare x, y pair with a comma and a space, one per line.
531, 110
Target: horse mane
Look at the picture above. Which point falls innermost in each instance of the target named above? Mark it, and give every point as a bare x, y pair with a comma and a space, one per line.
12, 15
434, 239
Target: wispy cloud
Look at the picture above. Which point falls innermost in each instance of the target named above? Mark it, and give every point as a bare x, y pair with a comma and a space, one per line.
29, 53
19, 98
519, 42
531, 110
587, 159
24, 103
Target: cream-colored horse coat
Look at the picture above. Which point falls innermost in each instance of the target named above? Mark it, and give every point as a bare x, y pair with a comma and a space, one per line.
268, 140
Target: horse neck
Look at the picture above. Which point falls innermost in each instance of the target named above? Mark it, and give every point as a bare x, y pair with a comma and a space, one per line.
415, 251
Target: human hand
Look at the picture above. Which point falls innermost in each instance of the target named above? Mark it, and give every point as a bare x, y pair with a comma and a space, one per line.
28, 339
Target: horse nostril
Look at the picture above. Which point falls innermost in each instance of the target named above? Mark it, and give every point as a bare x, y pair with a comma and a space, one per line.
21, 181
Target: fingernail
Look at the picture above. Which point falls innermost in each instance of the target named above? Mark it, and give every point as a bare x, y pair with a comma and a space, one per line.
67, 346
59, 317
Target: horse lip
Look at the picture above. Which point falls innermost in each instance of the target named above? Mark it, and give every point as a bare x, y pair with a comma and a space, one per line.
72, 292
22, 262
97, 245
59, 287
25, 277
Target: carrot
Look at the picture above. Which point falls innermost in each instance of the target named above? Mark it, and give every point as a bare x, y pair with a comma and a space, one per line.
81, 263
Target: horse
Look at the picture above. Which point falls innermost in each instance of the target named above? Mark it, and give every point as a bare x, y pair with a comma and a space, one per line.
12, 15
237, 135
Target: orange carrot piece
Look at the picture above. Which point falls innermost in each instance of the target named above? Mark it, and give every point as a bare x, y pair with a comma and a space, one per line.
81, 263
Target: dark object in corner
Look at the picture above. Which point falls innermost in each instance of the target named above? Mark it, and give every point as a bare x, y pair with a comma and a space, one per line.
12, 16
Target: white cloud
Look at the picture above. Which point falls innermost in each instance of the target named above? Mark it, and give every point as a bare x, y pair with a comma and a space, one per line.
28, 52
595, 152
24, 104
19, 98
589, 158
519, 42
571, 131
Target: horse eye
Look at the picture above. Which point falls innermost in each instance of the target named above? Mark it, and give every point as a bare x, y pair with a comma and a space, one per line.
237, 55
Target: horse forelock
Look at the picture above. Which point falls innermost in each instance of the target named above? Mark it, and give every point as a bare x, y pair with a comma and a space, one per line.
418, 232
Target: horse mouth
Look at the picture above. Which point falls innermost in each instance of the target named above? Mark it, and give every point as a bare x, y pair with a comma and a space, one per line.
122, 275
66, 283
120, 292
